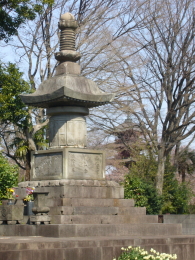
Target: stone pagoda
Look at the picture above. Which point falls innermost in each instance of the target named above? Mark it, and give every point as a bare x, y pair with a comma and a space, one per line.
67, 98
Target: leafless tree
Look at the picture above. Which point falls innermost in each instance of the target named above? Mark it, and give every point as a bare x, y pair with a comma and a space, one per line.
163, 82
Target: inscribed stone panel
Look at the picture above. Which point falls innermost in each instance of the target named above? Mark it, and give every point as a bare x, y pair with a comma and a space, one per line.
48, 164
85, 165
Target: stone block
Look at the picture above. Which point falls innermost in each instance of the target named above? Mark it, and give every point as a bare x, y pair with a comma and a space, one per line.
132, 210
67, 163
68, 68
11, 212
40, 219
62, 210
173, 218
63, 130
91, 202
61, 219
188, 231
92, 189
95, 210
123, 202
144, 229
10, 255
92, 248
127, 219
102, 219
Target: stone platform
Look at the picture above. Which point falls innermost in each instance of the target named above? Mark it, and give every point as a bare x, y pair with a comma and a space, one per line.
71, 188
89, 219
91, 248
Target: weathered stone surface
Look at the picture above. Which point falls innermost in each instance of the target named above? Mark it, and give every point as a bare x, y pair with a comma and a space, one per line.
85, 230
67, 87
135, 210
74, 193
67, 130
40, 219
91, 248
47, 165
85, 164
103, 219
69, 110
69, 90
188, 222
11, 212
40, 209
66, 210
68, 163
68, 68
61, 210
86, 210
97, 202
69, 182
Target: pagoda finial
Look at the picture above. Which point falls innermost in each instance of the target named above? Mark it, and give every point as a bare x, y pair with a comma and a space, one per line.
67, 52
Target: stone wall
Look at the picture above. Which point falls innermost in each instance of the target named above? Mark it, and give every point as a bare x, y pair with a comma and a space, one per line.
187, 221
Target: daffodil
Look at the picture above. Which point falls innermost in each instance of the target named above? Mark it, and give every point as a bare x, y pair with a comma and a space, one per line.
137, 253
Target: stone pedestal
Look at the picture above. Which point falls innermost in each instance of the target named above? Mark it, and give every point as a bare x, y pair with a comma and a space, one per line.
75, 189
68, 163
11, 214
40, 209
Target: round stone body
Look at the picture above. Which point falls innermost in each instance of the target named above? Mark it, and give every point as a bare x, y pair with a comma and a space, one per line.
67, 127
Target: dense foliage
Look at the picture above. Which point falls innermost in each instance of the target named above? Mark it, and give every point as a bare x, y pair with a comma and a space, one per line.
18, 134
12, 109
8, 176
139, 185
176, 195
143, 192
15, 12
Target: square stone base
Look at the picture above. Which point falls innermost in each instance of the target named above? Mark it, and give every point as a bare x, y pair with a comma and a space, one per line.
68, 163
40, 219
98, 189
11, 212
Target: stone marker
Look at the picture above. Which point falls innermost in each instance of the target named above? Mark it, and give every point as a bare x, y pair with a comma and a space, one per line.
39, 209
11, 214
67, 98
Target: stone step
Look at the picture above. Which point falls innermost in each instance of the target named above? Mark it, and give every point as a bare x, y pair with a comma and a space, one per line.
90, 248
85, 230
82, 210
103, 219
184, 219
97, 202
100, 189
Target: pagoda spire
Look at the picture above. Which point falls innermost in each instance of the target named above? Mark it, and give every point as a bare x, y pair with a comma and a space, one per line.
67, 26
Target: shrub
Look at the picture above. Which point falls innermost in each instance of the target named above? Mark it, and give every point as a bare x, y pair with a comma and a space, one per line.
176, 195
8, 176
139, 185
143, 192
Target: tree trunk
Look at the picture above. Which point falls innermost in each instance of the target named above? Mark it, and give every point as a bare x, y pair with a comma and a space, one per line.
28, 166
177, 148
183, 176
161, 170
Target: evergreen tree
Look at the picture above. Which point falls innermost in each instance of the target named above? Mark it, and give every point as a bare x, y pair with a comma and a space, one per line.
15, 12
19, 134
